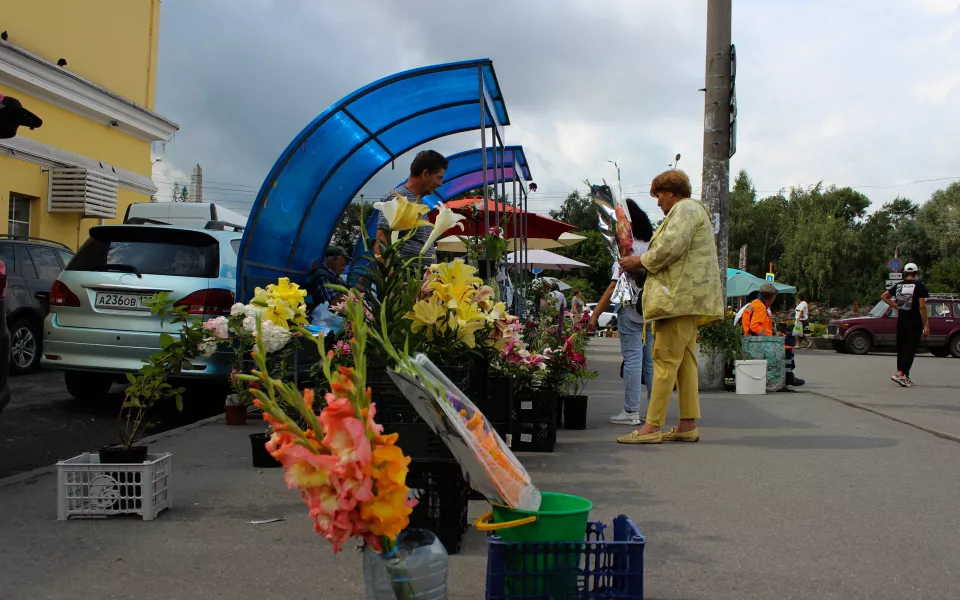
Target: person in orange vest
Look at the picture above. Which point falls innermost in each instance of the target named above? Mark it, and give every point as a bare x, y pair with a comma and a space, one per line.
756, 317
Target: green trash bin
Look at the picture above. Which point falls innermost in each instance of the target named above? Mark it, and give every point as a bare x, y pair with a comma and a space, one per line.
561, 518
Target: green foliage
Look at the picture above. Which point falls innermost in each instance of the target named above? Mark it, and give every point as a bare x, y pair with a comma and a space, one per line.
945, 275
818, 330
578, 283
578, 211
722, 337
822, 240
150, 385
348, 227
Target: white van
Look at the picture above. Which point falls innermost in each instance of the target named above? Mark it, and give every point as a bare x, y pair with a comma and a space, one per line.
184, 214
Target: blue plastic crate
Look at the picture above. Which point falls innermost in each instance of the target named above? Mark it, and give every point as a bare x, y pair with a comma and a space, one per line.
595, 569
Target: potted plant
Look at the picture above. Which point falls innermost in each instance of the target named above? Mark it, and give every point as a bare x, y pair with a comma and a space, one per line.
571, 359
150, 385
718, 346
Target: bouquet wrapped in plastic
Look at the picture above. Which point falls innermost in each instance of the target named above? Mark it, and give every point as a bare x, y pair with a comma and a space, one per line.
614, 220
492, 468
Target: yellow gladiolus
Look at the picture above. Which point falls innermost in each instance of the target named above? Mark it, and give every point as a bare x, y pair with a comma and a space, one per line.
402, 215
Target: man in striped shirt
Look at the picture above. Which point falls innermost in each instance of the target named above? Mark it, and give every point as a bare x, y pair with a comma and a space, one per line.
426, 175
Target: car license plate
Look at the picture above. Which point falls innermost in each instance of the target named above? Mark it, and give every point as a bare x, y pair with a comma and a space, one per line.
122, 301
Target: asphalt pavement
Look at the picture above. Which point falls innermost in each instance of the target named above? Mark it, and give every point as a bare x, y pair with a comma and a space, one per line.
44, 424
787, 496
932, 403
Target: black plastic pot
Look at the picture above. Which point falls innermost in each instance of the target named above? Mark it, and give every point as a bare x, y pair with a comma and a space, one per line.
261, 458
574, 411
123, 456
560, 412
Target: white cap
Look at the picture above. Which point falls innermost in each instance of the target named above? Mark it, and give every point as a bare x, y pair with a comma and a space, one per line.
910, 268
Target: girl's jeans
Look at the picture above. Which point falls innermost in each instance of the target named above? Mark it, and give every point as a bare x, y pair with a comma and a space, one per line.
637, 356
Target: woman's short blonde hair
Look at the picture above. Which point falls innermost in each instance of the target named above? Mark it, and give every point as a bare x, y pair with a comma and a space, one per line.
674, 180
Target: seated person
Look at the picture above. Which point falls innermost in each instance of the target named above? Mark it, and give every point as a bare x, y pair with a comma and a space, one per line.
756, 319
323, 275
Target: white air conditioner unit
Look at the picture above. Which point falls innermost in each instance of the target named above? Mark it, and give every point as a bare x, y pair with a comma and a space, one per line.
86, 191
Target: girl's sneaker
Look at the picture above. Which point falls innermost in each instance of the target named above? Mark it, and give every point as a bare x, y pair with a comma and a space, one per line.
901, 379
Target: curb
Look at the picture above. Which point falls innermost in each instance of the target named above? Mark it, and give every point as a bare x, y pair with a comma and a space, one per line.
39, 472
935, 432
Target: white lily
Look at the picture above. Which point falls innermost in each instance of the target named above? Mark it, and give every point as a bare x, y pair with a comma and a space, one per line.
446, 219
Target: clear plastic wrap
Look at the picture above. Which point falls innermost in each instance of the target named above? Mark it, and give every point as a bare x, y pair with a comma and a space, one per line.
491, 467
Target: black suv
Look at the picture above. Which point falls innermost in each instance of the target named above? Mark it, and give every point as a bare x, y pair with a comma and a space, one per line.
32, 265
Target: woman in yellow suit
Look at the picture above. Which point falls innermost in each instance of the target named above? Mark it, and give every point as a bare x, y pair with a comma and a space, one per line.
682, 293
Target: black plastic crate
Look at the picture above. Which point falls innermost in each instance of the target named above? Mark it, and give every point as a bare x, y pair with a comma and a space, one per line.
442, 491
534, 421
397, 415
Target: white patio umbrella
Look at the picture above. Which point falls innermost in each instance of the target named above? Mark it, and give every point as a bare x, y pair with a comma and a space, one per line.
544, 259
454, 244
560, 285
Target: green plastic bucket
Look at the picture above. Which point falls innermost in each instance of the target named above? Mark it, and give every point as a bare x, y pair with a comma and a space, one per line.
561, 518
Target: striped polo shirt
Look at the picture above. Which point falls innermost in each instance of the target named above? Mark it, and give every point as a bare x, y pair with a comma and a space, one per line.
412, 246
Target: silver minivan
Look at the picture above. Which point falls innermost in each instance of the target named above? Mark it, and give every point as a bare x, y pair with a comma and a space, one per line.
100, 328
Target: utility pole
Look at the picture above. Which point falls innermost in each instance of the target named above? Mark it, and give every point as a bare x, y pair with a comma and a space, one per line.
718, 145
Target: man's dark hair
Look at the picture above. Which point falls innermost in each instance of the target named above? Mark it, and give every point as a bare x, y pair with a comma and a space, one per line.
639, 222
430, 161
801, 297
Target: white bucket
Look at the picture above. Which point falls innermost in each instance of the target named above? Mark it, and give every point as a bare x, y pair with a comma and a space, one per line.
751, 376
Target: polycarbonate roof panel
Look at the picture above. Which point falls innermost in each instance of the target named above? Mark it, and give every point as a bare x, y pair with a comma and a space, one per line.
464, 172
326, 165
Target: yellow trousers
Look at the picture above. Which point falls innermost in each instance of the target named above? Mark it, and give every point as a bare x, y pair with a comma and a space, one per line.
674, 364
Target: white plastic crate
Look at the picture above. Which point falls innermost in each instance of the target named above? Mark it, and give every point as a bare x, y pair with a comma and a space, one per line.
86, 488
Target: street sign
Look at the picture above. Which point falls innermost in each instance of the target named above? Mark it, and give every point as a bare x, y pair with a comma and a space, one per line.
770, 277
895, 264
743, 257
895, 276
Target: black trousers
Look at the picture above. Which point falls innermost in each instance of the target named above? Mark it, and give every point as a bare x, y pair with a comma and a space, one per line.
908, 338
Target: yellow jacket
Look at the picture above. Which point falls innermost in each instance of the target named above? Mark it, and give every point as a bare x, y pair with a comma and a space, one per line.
683, 274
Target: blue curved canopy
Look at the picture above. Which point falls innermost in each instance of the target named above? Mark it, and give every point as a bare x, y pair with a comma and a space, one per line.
326, 165
464, 172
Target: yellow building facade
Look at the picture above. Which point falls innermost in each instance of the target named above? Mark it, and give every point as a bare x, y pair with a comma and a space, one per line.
91, 157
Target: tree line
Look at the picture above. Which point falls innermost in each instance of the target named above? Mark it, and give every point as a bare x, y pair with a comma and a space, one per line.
821, 239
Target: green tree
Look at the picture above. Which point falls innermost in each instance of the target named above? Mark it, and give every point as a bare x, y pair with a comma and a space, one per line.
743, 200
940, 219
591, 251
348, 227
945, 275
578, 211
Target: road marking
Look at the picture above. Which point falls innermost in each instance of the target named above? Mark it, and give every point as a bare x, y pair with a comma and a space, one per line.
850, 403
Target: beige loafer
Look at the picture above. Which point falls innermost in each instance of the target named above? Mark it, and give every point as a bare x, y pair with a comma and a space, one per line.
687, 436
635, 438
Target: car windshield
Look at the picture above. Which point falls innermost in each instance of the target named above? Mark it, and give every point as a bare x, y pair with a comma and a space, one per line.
149, 251
878, 310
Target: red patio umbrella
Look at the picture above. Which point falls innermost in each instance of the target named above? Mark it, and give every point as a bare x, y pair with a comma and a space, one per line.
538, 226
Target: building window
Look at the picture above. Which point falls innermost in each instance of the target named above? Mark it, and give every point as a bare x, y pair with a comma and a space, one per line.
18, 222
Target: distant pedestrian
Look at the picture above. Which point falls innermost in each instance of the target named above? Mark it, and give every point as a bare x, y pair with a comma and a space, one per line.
909, 299
801, 319
560, 301
576, 306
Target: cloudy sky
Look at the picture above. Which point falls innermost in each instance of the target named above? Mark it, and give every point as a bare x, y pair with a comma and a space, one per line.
860, 93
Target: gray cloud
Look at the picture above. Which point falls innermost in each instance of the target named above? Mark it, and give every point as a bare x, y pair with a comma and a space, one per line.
584, 82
